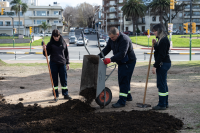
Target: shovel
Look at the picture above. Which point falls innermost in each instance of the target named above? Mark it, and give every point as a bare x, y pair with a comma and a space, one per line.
143, 105
54, 93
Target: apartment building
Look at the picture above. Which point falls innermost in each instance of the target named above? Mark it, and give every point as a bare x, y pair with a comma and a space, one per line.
112, 14
10, 20
195, 14
52, 15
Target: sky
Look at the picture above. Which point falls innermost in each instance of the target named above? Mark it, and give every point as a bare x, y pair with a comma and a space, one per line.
73, 3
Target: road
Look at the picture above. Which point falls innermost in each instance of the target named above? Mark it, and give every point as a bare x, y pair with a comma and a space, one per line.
77, 52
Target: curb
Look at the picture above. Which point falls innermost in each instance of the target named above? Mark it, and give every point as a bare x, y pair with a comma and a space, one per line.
176, 53
175, 48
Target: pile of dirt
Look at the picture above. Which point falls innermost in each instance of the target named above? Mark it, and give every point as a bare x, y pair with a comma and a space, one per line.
82, 118
89, 94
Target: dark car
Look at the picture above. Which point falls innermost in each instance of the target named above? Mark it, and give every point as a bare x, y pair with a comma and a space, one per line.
4, 34
145, 33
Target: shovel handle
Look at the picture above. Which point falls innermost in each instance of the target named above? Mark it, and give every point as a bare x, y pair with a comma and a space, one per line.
54, 93
147, 75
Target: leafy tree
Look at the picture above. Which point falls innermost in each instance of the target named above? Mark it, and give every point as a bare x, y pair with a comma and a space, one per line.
17, 6
44, 26
158, 7
134, 9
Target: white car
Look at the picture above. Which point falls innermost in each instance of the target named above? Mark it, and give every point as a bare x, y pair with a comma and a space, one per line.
102, 43
73, 39
197, 32
45, 34
80, 42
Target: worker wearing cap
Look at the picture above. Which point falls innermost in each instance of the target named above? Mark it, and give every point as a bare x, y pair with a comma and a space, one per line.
124, 56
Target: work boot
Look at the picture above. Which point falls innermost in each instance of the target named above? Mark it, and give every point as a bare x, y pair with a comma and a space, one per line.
67, 97
158, 108
129, 99
117, 105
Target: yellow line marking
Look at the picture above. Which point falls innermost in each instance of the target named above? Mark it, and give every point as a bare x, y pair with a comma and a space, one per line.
10, 52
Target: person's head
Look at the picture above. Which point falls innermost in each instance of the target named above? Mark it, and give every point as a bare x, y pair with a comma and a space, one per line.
158, 30
55, 35
113, 33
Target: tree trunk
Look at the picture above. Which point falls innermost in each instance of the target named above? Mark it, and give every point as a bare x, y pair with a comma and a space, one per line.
137, 24
133, 25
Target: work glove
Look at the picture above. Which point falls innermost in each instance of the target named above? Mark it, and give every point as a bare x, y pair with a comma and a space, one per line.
106, 61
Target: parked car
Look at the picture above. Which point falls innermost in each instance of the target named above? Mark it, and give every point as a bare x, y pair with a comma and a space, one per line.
197, 32
72, 40
127, 32
145, 33
4, 34
185, 32
86, 31
176, 32
104, 36
45, 34
102, 43
90, 30
71, 34
17, 34
93, 31
80, 42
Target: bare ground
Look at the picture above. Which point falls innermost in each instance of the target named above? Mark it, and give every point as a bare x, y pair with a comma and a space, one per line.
30, 85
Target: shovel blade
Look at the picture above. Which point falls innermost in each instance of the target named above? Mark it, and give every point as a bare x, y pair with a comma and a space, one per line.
54, 100
141, 105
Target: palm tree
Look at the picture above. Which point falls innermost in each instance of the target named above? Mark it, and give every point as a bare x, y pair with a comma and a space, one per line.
158, 7
134, 9
17, 6
44, 26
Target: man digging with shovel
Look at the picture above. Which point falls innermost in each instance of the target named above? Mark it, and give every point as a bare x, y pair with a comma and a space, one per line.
124, 56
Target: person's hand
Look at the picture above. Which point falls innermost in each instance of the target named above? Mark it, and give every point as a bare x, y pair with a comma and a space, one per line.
154, 70
153, 41
106, 61
67, 66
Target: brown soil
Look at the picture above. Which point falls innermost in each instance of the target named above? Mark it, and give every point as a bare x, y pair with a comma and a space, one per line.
82, 118
35, 114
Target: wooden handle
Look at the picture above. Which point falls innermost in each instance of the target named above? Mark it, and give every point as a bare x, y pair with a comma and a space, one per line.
54, 93
147, 75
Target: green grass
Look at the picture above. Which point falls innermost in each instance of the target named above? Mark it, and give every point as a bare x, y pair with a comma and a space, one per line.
176, 40
35, 43
10, 37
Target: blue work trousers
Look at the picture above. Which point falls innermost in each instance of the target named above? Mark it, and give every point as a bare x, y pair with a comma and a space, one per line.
59, 69
125, 72
161, 74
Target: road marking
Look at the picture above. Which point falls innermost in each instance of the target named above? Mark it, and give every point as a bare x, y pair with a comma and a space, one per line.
21, 57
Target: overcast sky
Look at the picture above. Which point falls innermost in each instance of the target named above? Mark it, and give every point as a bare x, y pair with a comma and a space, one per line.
73, 3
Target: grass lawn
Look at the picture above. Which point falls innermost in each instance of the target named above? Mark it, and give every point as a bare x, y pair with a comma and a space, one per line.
35, 43
176, 40
11, 37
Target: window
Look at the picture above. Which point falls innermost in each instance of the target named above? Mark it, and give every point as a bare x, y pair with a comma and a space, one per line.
180, 15
55, 22
41, 13
33, 13
120, 20
16, 23
8, 23
174, 26
47, 21
153, 18
128, 19
120, 7
34, 21
143, 20
59, 21
112, 2
196, 13
112, 9
47, 13
56, 13
120, 14
120, 1
111, 15
40, 21
1, 23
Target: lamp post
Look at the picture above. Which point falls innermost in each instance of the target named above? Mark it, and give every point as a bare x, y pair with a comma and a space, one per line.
13, 31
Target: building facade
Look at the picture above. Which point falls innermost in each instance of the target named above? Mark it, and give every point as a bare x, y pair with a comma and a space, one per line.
35, 15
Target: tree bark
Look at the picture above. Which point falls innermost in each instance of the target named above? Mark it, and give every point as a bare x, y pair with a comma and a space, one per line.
133, 25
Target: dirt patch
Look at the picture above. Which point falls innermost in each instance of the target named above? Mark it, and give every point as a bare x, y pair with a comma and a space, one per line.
183, 103
89, 94
82, 118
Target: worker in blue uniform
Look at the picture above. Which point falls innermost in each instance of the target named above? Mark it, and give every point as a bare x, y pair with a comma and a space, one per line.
124, 56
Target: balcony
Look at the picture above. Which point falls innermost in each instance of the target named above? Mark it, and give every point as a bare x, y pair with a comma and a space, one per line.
108, 4
7, 26
47, 16
109, 11
113, 23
